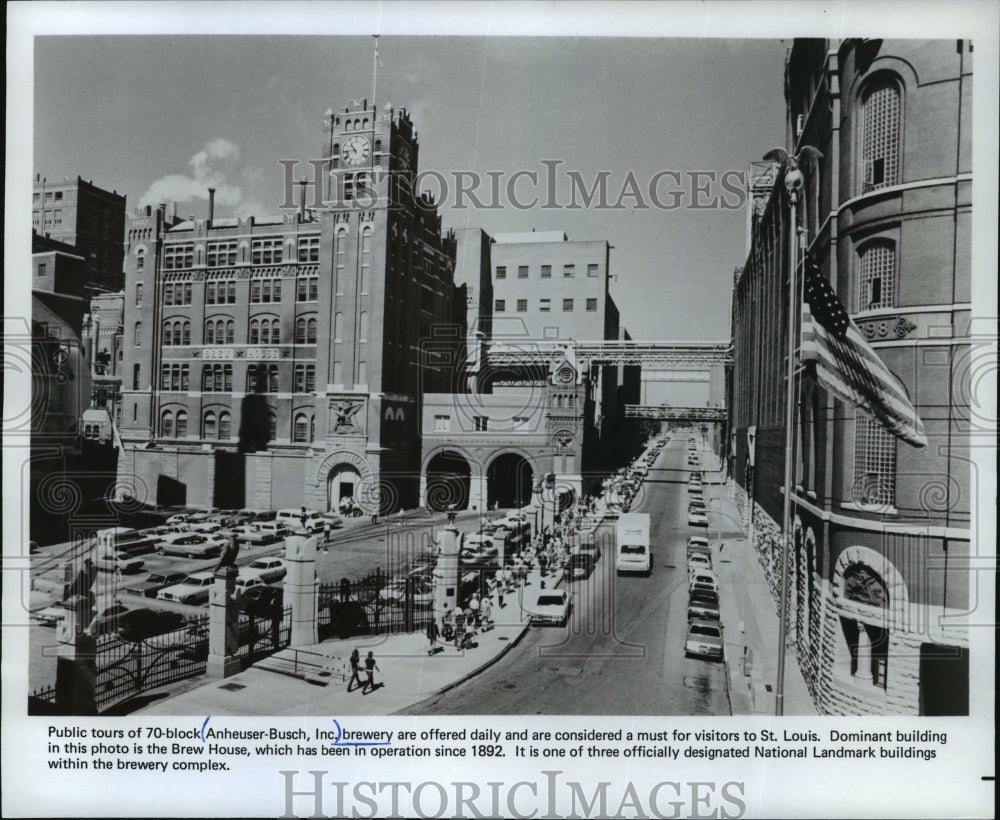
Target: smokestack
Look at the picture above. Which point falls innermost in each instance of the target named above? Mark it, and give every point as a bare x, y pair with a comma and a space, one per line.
211, 206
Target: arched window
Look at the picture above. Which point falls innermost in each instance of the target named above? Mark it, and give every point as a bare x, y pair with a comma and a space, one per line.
300, 332
265, 332
340, 251
877, 276
338, 327
230, 331
272, 426
880, 134
254, 331
182, 424
138, 335
272, 378
312, 428
187, 333
209, 332
167, 424
275, 331
301, 429
311, 331
208, 428
362, 372
338, 372
225, 426
363, 327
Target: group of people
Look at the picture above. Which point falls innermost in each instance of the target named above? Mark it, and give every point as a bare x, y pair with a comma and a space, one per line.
368, 685
462, 624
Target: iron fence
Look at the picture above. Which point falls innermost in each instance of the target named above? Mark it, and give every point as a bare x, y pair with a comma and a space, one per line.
375, 604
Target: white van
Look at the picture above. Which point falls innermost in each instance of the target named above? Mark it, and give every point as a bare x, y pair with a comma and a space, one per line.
293, 519
632, 543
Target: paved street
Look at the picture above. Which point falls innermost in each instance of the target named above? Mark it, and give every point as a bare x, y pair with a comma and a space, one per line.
623, 650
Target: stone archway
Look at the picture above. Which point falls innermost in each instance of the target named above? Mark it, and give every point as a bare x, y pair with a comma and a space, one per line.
509, 481
342, 482
449, 477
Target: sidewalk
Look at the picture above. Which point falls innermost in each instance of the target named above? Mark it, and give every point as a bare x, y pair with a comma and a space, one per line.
750, 617
408, 674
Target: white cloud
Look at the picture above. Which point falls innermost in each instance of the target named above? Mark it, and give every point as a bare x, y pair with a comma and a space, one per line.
216, 165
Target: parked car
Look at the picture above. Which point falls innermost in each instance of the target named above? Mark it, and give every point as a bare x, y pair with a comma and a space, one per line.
699, 561
704, 639
263, 532
207, 527
268, 570
244, 583
180, 518
703, 605
696, 542
703, 577
394, 593
118, 561
106, 619
332, 519
139, 624
297, 518
191, 545
697, 519
552, 606
155, 582
194, 589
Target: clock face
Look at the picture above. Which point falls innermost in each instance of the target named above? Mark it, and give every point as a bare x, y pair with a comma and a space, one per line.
356, 150
566, 375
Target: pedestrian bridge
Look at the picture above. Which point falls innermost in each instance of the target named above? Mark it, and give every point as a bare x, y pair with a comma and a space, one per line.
668, 354
660, 413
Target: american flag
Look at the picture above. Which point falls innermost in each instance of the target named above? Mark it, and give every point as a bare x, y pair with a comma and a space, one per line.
848, 366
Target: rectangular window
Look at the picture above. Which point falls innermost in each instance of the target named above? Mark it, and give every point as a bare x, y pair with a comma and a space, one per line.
255, 291
545, 305
591, 305
592, 270
441, 424
567, 305
168, 294
520, 422
500, 305
501, 273
522, 271
522, 305
266, 251
231, 293
138, 294
313, 289
569, 271
210, 293
874, 463
41, 269
178, 256
221, 254
308, 249
546, 271
480, 422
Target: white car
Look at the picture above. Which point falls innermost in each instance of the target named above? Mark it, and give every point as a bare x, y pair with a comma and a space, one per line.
704, 639
208, 526
701, 579
243, 583
697, 519
552, 606
191, 545
698, 560
192, 590
119, 562
268, 570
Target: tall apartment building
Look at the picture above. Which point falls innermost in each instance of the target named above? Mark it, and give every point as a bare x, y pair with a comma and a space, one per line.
879, 572
277, 361
81, 214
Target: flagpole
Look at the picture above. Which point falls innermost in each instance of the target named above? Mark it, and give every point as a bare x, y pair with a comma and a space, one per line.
786, 529
374, 69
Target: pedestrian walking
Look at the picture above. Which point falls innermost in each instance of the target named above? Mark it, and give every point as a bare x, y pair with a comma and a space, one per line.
501, 586
355, 670
459, 629
475, 607
432, 636
486, 613
326, 534
370, 667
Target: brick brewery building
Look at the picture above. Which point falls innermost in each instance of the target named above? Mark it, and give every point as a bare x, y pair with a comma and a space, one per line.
89, 218
879, 575
275, 362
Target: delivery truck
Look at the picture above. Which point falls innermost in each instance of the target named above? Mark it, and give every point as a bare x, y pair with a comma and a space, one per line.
632, 551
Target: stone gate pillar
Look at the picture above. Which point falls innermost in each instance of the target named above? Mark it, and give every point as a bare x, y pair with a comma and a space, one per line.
76, 661
301, 588
223, 625
446, 573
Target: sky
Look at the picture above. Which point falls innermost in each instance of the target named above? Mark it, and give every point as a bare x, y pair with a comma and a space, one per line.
165, 117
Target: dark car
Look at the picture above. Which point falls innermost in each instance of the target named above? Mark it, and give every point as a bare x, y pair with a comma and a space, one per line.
581, 564
140, 624
703, 604
155, 582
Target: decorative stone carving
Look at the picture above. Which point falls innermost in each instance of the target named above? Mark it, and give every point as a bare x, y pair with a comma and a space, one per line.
889, 328
863, 585
342, 416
